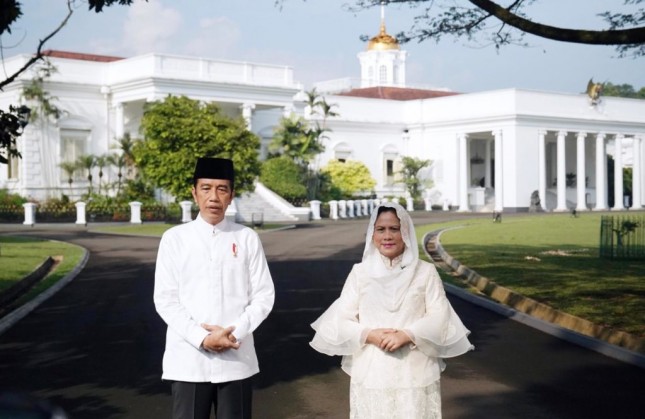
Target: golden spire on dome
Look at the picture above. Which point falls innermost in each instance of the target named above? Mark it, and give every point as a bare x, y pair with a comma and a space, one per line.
382, 41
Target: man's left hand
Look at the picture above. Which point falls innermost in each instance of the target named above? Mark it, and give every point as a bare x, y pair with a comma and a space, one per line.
220, 339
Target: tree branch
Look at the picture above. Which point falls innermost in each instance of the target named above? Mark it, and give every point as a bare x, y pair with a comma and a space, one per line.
608, 37
39, 54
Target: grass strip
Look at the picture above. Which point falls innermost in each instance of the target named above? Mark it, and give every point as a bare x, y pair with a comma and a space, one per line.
553, 259
21, 255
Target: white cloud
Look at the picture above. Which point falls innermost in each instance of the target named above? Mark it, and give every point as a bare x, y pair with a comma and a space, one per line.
217, 38
149, 26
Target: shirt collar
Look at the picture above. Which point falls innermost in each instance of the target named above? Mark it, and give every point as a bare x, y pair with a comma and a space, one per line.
206, 226
391, 264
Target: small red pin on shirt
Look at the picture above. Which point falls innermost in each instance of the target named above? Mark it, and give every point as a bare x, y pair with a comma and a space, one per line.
234, 250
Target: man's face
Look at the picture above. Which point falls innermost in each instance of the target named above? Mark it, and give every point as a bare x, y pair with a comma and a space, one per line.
213, 196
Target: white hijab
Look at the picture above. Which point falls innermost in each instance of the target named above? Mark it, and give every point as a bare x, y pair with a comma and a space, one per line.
394, 282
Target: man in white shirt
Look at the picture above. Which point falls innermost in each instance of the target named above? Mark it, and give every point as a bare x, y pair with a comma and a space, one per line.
213, 288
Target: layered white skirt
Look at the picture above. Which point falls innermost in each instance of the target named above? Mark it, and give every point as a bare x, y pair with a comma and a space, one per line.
395, 403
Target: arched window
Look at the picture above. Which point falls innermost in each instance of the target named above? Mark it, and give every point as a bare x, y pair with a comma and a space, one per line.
342, 151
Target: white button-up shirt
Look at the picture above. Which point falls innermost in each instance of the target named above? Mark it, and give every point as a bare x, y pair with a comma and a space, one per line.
217, 275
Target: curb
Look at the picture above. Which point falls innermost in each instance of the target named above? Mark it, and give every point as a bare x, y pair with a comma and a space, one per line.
19, 288
18, 314
598, 345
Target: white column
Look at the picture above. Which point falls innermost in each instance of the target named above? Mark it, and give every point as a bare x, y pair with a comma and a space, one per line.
80, 213
135, 212
186, 216
463, 172
409, 203
499, 171
601, 175
333, 210
315, 209
342, 208
350, 208
637, 173
30, 213
358, 208
618, 173
427, 201
542, 168
247, 113
487, 166
581, 173
366, 207
118, 121
562, 173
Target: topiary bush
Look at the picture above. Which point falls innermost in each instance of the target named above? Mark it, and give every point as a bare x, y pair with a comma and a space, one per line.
284, 177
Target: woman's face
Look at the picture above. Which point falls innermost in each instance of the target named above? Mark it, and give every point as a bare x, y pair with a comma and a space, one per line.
387, 235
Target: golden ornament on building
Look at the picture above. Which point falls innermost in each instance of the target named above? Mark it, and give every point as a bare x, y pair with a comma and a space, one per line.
383, 41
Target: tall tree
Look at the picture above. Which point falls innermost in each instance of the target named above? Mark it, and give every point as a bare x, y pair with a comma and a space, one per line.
505, 22
87, 162
622, 90
411, 166
294, 138
13, 120
178, 130
117, 160
69, 168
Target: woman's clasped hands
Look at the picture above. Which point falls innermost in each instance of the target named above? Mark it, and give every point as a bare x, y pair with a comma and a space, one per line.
388, 340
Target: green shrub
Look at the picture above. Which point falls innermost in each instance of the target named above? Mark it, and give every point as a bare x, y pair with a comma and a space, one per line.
12, 199
349, 177
284, 177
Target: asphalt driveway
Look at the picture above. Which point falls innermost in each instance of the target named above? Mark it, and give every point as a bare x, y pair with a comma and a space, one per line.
95, 347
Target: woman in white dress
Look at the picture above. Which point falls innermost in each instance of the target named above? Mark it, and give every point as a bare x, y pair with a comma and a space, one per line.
392, 324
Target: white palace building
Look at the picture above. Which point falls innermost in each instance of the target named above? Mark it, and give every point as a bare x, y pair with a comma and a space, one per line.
490, 151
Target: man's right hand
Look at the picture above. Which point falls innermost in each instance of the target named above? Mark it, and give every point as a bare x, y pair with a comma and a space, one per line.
219, 339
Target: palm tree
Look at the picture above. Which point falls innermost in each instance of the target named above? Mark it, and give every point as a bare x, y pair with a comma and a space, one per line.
126, 145
313, 100
118, 161
69, 168
410, 172
87, 162
101, 162
327, 109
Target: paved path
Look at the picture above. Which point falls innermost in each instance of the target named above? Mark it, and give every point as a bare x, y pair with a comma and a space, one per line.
95, 347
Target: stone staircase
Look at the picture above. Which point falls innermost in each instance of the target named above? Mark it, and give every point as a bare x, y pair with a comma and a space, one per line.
250, 202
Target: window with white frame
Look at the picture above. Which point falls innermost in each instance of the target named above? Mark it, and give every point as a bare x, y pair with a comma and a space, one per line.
13, 167
73, 144
382, 74
391, 167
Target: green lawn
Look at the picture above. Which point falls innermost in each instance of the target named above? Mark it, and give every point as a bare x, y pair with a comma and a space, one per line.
21, 255
553, 259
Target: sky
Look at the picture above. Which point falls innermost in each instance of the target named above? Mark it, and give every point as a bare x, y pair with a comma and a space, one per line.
320, 40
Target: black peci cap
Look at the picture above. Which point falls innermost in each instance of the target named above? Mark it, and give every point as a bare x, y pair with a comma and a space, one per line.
214, 168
